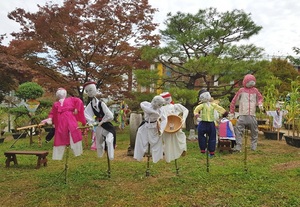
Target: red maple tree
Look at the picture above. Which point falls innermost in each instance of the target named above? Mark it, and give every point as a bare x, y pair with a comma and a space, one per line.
85, 40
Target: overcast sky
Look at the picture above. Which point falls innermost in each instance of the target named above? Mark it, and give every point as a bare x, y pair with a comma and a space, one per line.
280, 19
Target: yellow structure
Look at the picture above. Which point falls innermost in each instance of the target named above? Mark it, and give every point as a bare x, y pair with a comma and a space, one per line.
160, 69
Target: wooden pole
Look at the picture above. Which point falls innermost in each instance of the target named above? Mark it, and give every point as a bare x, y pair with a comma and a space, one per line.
30, 126
148, 161
245, 158
207, 158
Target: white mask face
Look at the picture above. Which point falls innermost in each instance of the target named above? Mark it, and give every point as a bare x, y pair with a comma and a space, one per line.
168, 100
157, 102
250, 84
205, 97
61, 93
91, 90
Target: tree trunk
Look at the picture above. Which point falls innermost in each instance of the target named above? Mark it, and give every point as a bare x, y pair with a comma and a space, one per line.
190, 124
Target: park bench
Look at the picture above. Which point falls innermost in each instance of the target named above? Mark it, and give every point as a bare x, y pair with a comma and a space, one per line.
11, 157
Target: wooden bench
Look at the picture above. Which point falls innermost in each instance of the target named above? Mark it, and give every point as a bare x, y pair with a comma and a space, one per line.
11, 157
224, 145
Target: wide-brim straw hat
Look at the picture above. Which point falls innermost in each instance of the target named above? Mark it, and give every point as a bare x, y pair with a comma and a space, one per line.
174, 124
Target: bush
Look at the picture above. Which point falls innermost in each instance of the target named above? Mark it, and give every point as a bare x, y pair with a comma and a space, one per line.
29, 90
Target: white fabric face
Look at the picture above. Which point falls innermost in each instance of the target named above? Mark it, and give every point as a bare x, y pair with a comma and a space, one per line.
250, 84
168, 100
61, 93
157, 102
91, 90
205, 97
167, 97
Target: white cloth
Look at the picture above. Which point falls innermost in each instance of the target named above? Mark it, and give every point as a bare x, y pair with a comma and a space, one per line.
277, 117
174, 143
100, 131
58, 151
148, 133
100, 142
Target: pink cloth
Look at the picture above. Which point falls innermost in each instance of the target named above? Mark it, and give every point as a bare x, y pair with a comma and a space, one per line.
66, 122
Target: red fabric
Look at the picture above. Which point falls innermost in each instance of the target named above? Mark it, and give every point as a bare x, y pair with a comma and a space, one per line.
88, 83
167, 95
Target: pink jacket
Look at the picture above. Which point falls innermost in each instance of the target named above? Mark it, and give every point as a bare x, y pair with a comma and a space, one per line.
247, 98
65, 120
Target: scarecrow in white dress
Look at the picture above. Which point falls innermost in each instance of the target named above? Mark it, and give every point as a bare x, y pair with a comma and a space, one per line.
150, 131
174, 143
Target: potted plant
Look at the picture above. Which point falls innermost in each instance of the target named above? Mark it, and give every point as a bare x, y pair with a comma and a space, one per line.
30, 91
293, 114
273, 109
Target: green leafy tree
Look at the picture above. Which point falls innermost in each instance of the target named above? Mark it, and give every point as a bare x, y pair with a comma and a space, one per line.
295, 60
204, 49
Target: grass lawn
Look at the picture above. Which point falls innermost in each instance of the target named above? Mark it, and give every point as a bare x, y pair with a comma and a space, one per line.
272, 178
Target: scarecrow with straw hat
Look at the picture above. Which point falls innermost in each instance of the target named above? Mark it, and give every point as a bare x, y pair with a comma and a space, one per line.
174, 142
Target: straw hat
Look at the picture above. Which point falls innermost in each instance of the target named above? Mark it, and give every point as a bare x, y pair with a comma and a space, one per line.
174, 124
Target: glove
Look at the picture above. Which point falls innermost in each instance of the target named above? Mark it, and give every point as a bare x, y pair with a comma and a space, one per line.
90, 124
48, 121
75, 112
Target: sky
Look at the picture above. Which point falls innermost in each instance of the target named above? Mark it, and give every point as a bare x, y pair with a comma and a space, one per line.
279, 18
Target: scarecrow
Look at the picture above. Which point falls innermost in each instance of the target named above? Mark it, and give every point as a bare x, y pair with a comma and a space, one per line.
206, 111
247, 98
65, 114
97, 112
277, 115
174, 143
149, 132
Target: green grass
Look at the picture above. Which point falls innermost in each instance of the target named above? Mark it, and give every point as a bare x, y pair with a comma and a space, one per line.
272, 178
